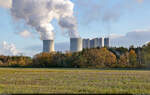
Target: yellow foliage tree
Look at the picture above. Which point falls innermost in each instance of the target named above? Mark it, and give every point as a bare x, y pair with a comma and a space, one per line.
132, 58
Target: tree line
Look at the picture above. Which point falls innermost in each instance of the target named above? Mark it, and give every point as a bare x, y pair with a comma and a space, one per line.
114, 57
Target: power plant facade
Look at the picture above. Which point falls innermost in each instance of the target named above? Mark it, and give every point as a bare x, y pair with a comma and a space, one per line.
86, 43
78, 44
48, 46
94, 43
106, 42
101, 42
75, 44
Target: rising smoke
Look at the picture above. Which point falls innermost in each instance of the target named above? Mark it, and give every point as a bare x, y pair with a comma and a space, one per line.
39, 14
9, 49
5, 3
104, 10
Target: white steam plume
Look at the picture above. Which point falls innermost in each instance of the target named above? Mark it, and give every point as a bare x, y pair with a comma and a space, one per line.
39, 13
100, 10
9, 49
5, 3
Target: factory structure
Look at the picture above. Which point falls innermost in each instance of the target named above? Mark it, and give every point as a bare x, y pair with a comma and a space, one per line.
48, 46
78, 44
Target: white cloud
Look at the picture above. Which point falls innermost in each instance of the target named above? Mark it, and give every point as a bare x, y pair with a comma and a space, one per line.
8, 49
136, 38
5, 3
113, 36
25, 34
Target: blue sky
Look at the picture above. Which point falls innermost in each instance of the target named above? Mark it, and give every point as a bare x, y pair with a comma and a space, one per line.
127, 16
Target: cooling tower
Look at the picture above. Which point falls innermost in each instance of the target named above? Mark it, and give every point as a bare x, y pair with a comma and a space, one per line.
86, 43
94, 43
75, 44
106, 42
101, 42
48, 46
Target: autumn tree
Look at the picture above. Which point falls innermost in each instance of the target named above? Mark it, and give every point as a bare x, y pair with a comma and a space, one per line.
44, 60
145, 54
109, 57
1, 63
123, 61
93, 58
132, 58
98, 58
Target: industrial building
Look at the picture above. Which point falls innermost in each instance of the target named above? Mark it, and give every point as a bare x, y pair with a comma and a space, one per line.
78, 44
75, 44
86, 43
48, 46
96, 42
106, 42
101, 42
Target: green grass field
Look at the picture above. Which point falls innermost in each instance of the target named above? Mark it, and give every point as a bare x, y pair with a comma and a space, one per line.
74, 81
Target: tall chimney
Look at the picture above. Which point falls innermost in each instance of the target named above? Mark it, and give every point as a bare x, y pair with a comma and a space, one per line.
75, 44
48, 46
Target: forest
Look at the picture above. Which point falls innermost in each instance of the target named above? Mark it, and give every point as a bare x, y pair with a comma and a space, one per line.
114, 57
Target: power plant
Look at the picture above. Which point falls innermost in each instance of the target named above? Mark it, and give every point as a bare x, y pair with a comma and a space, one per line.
75, 44
48, 46
86, 43
101, 42
78, 44
106, 42
94, 43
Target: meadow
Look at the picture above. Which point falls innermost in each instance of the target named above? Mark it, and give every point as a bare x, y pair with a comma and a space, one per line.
78, 81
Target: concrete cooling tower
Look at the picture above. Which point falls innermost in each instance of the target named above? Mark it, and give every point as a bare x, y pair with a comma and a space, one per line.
86, 43
106, 42
94, 43
48, 46
101, 42
75, 44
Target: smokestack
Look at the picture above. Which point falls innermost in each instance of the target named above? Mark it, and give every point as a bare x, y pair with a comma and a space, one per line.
75, 44
48, 46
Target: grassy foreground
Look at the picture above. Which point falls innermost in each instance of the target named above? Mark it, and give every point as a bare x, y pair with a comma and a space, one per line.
74, 81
